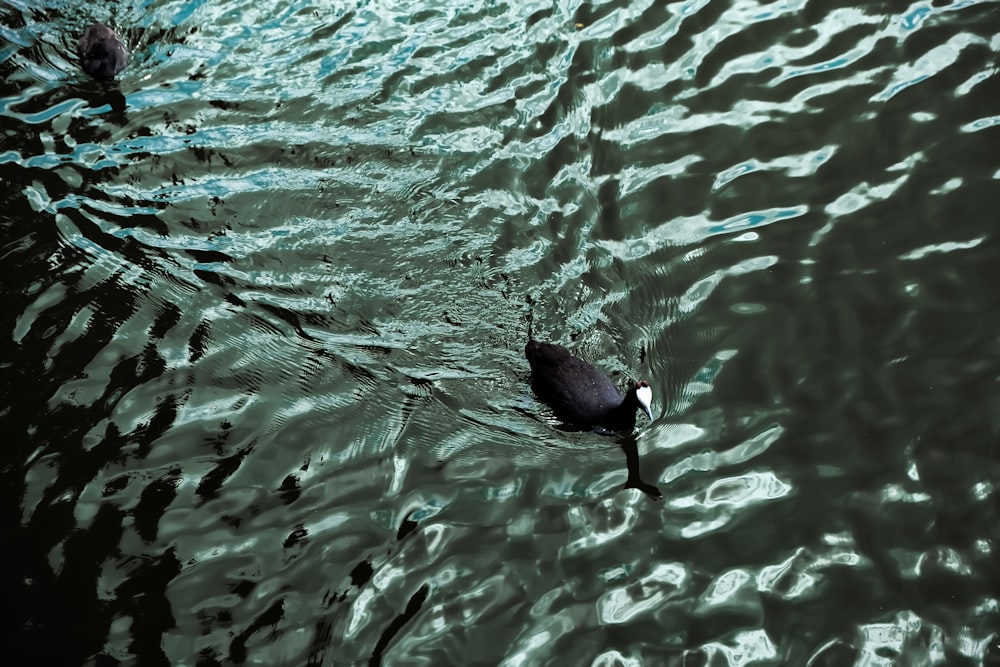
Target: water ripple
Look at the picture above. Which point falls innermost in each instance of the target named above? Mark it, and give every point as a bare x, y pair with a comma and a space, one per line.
269, 292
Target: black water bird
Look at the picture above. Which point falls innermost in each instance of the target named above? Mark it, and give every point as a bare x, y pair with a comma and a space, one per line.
102, 53
581, 395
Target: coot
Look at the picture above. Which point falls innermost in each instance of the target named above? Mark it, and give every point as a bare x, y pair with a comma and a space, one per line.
102, 53
580, 394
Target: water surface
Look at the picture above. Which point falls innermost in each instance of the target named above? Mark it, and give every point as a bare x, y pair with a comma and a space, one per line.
267, 294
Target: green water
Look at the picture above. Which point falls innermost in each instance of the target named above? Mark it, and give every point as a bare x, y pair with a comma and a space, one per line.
263, 390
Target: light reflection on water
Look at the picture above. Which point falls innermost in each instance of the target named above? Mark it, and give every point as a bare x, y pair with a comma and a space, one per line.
269, 294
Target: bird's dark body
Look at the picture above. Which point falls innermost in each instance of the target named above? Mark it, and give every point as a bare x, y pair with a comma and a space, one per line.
577, 392
102, 53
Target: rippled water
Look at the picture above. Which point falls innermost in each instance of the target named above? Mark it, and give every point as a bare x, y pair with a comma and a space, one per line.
264, 398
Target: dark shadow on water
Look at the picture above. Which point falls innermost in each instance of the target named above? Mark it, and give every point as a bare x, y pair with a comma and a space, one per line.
630, 447
269, 618
412, 607
106, 94
360, 576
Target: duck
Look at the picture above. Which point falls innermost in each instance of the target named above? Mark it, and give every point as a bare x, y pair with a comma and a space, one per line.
580, 394
102, 52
